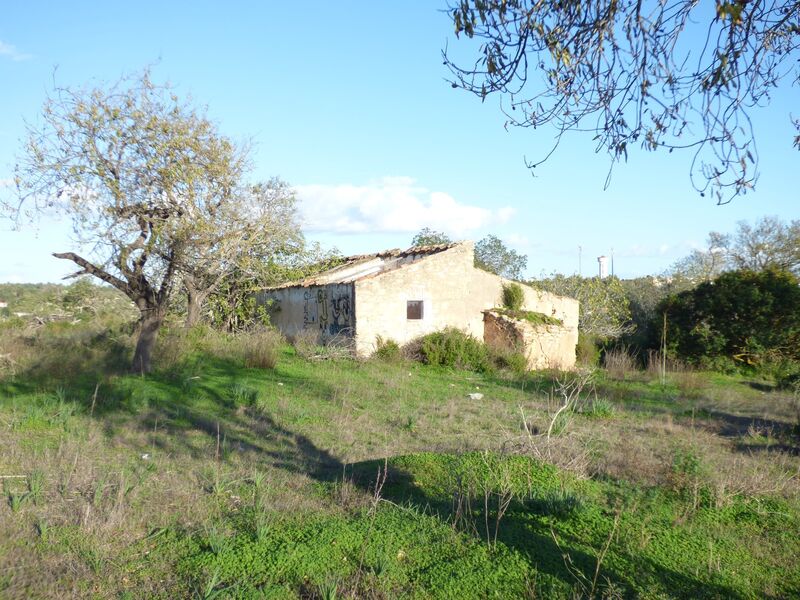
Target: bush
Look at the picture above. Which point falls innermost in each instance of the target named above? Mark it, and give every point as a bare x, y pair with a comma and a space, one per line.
513, 296
453, 348
387, 350
719, 364
511, 359
587, 352
787, 376
743, 316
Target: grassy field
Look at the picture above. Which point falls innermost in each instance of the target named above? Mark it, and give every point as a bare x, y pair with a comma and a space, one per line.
337, 478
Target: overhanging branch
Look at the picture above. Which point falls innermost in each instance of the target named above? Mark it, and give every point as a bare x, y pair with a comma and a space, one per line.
90, 269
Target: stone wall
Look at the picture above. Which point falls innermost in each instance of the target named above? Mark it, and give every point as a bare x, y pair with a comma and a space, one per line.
544, 346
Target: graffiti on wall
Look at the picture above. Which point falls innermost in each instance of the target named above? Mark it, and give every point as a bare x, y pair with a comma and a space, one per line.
329, 311
309, 310
341, 314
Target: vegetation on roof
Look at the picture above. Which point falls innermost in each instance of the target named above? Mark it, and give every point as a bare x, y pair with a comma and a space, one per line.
531, 316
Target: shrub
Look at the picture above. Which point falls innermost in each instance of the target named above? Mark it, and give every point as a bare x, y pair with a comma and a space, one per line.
719, 364
513, 296
742, 316
513, 360
788, 377
587, 352
387, 350
689, 478
453, 348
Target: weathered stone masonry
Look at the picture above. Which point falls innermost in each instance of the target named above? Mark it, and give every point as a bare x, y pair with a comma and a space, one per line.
401, 295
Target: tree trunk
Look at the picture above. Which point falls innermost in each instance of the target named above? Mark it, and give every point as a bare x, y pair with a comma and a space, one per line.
195, 299
194, 306
149, 324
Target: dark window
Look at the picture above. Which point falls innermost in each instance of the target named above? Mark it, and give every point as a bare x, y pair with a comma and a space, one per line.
414, 309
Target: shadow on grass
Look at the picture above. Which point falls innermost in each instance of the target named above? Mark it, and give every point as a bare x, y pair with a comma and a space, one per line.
735, 426
201, 397
760, 386
210, 396
525, 530
793, 449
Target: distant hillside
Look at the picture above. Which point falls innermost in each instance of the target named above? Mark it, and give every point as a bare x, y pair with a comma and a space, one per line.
77, 299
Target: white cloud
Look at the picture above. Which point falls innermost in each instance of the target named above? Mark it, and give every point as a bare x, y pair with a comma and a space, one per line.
518, 240
11, 52
390, 205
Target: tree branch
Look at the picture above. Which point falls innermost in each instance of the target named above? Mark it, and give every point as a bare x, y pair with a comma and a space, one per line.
90, 269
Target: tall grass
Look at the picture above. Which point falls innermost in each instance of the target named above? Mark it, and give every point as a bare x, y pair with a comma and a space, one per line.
253, 349
60, 350
620, 363
260, 349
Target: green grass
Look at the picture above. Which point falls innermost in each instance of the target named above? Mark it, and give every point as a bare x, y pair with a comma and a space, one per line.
208, 479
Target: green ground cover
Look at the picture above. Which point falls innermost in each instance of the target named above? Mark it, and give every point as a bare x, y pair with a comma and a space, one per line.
330, 479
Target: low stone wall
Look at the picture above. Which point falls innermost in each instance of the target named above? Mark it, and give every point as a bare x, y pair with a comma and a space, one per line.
544, 346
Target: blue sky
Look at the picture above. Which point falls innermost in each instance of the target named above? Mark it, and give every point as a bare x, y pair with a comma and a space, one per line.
348, 102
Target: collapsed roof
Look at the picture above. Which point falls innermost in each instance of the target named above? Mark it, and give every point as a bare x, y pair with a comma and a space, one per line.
367, 265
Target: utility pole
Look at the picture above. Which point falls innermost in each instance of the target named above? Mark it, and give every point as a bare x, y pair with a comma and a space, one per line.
580, 250
612, 262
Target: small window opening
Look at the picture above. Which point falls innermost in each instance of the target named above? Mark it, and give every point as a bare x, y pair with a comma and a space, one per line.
414, 309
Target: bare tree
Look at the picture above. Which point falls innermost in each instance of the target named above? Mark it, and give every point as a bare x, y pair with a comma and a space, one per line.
241, 237
704, 264
134, 168
662, 74
768, 243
